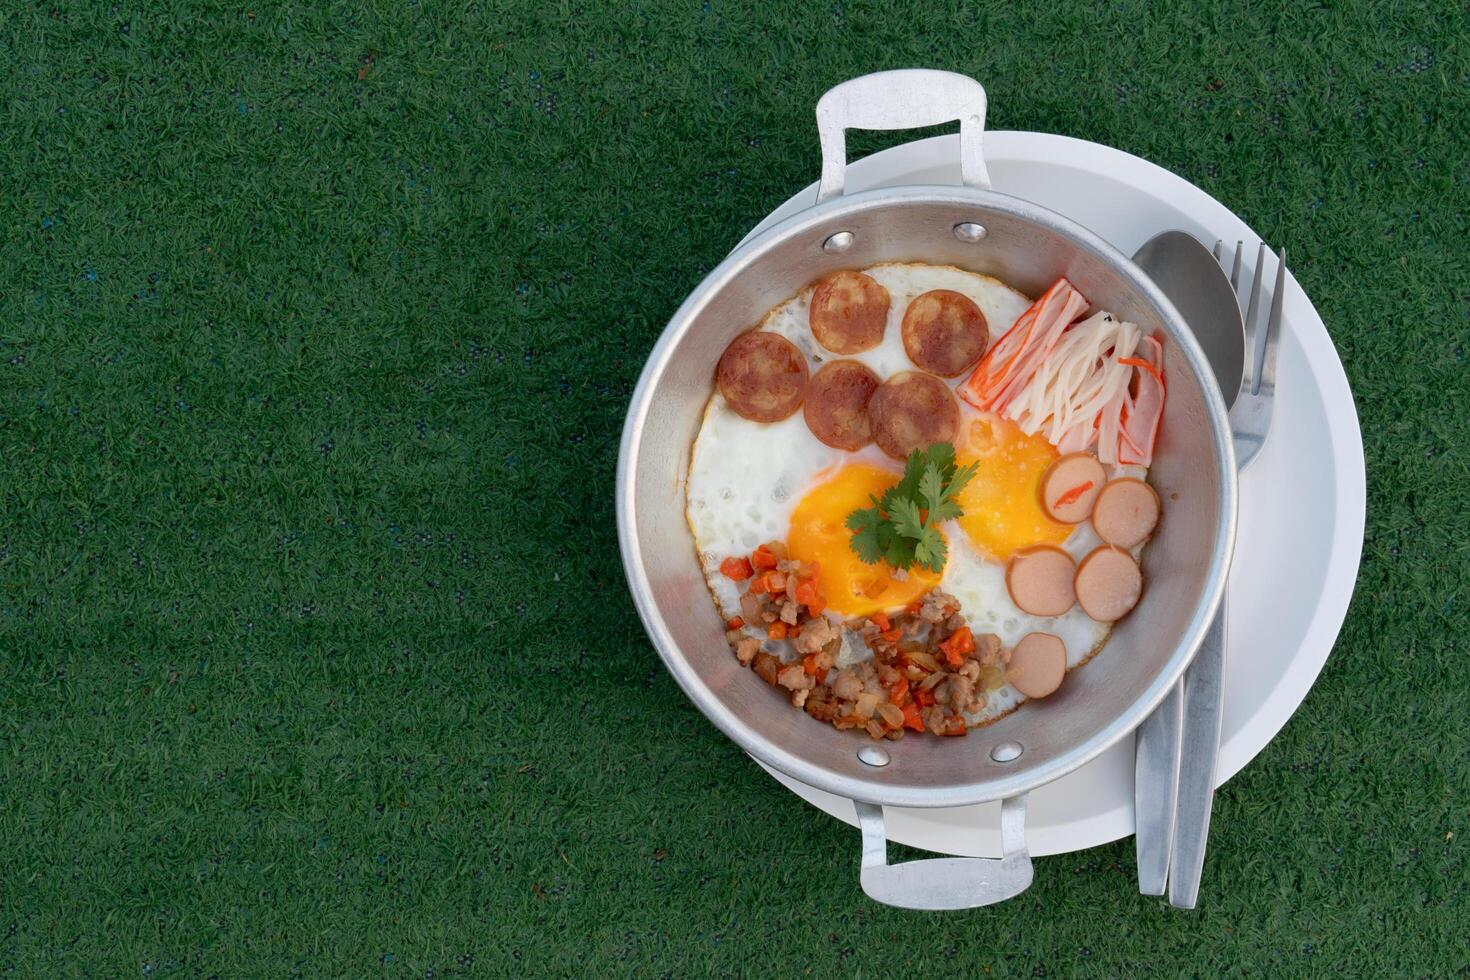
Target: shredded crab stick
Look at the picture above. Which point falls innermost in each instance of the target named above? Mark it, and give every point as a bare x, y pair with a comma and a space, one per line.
1066, 398
1098, 382
1141, 419
1010, 364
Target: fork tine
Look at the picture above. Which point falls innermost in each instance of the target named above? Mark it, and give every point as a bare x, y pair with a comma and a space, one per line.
1254, 335
1235, 269
1216, 250
1265, 367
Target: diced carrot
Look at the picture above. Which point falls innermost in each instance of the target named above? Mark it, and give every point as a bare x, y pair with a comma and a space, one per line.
913, 608
880, 620
762, 558
807, 595
773, 582
734, 623
735, 568
923, 698
911, 718
891, 636
778, 630
1073, 495
809, 665
899, 692
961, 642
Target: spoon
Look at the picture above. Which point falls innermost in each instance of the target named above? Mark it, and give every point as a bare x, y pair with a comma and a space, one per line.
1194, 282
1190, 276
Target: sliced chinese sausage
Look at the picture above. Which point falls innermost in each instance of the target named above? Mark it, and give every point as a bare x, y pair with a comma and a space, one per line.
912, 410
1125, 512
836, 406
1040, 580
848, 313
762, 375
1038, 664
1070, 486
1108, 584
944, 332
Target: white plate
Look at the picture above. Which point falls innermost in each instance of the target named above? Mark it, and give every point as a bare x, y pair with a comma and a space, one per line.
1296, 555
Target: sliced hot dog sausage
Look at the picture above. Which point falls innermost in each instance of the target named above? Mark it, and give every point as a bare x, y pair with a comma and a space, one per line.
836, 406
944, 332
1125, 512
1108, 584
1070, 486
1040, 580
912, 410
848, 313
762, 375
1038, 664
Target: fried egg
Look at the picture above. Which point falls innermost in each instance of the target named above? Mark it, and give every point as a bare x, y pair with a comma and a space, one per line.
753, 482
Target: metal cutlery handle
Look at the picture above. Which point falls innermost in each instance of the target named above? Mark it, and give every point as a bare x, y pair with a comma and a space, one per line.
946, 883
1155, 789
907, 98
1203, 685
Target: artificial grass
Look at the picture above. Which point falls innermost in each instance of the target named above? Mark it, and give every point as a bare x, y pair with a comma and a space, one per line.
319, 324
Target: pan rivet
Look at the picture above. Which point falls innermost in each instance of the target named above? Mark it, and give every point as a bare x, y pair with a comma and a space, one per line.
1006, 752
873, 756
968, 231
840, 242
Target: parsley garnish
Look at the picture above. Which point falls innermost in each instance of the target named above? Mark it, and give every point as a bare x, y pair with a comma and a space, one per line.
903, 528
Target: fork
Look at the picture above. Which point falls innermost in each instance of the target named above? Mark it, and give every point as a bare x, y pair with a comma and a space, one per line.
1203, 686
1250, 416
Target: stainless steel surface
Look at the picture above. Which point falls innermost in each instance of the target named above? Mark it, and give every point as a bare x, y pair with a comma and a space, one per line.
1007, 752
1028, 247
1190, 277
968, 231
872, 755
838, 243
1250, 417
1185, 566
1203, 698
1156, 791
946, 883
904, 99
1234, 269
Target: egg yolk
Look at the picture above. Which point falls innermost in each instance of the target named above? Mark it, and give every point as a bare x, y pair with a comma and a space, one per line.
1002, 504
819, 533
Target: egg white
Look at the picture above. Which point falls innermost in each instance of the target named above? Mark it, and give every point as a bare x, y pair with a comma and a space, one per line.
745, 478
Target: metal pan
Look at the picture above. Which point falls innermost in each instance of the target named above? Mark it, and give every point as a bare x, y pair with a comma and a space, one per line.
1028, 247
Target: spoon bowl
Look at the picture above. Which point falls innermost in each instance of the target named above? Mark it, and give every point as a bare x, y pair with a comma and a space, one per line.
1190, 276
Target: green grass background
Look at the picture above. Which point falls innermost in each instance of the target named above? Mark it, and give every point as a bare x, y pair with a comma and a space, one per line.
319, 322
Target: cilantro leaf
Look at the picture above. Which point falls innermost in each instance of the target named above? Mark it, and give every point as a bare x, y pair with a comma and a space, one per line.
960, 477
904, 515
930, 550
947, 510
931, 488
941, 456
902, 528
899, 552
866, 541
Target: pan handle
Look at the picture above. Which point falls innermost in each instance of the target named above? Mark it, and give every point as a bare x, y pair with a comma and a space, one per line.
946, 883
904, 99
